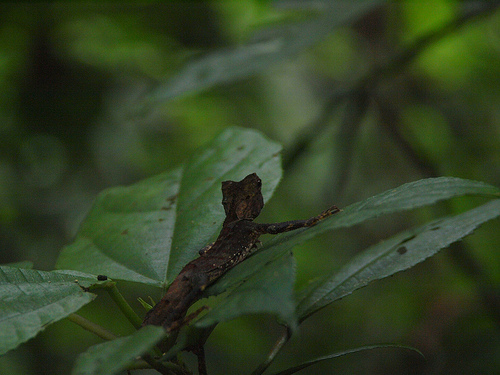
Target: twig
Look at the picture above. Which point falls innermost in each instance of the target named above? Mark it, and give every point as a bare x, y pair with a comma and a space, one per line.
123, 305
173, 368
353, 116
202, 363
372, 78
86, 324
280, 343
390, 119
313, 131
160, 367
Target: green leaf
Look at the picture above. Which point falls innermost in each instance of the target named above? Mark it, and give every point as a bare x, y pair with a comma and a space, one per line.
148, 231
114, 356
405, 197
393, 255
30, 300
22, 264
267, 47
304, 365
265, 285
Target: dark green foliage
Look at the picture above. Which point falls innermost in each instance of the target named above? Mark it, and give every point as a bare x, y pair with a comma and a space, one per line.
149, 106
126, 236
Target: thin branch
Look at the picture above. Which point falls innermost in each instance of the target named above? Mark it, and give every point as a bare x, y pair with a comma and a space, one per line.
173, 368
313, 131
96, 329
346, 139
202, 363
162, 368
123, 305
390, 120
372, 78
280, 343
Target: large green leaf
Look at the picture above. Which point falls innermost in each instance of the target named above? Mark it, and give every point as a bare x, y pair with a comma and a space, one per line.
148, 231
405, 197
393, 255
114, 356
267, 47
30, 300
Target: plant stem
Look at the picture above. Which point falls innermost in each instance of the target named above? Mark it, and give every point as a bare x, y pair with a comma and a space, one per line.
282, 340
123, 305
164, 368
92, 327
169, 366
202, 363
170, 369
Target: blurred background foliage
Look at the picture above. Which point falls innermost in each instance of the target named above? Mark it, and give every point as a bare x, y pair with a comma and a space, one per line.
364, 96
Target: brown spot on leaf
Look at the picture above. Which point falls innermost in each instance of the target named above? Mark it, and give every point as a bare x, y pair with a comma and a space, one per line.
172, 198
402, 250
125, 232
409, 239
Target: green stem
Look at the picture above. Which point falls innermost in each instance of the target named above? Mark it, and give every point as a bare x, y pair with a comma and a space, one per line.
141, 364
282, 340
92, 327
123, 305
126, 309
157, 365
149, 361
